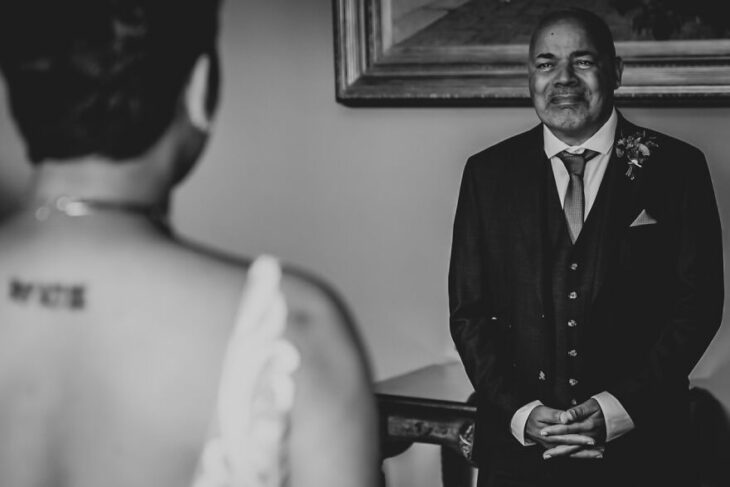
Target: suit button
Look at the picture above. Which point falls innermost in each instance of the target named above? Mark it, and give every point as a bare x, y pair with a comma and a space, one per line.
542, 375
573, 402
494, 318
572, 382
573, 353
572, 323
573, 266
573, 295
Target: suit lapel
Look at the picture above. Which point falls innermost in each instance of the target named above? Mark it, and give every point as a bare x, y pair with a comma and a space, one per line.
624, 205
627, 191
528, 173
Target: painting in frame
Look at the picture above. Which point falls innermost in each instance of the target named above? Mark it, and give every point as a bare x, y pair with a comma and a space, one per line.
474, 52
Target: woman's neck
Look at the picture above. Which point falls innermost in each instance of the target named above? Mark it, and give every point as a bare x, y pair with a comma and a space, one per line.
107, 194
132, 182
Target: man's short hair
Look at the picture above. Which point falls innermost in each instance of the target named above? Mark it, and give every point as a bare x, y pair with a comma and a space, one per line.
101, 77
595, 25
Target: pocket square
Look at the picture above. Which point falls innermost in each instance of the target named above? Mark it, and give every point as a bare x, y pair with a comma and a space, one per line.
643, 219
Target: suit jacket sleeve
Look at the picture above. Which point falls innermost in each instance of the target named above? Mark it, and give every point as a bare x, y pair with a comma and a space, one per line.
697, 298
473, 324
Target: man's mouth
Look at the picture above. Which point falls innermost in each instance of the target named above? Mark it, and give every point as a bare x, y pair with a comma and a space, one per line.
566, 98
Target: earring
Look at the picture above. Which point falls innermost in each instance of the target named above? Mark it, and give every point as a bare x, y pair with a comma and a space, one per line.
200, 120
196, 94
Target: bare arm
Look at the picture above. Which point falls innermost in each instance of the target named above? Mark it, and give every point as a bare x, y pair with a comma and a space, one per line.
334, 432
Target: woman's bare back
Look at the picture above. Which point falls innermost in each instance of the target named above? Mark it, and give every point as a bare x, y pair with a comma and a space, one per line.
112, 339
111, 343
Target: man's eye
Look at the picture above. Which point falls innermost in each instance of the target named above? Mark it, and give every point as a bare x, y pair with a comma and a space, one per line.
544, 66
585, 63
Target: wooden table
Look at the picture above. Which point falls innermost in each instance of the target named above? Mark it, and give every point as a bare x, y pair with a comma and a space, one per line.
430, 405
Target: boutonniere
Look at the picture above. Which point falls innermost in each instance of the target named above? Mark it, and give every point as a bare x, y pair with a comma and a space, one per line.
637, 149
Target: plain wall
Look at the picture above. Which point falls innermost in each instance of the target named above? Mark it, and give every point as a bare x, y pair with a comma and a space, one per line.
363, 196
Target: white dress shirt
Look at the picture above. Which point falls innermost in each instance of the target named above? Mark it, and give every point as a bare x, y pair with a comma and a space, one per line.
618, 421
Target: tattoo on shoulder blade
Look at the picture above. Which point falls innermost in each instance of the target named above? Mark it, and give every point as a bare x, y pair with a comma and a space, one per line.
53, 295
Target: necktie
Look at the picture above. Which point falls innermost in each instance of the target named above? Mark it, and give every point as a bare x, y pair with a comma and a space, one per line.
574, 206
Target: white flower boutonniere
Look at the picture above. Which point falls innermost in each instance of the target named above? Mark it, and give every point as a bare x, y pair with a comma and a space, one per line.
637, 149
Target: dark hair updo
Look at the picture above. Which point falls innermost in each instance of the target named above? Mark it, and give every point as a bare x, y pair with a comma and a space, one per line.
100, 76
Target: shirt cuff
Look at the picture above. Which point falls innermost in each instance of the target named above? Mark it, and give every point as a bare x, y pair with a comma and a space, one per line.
618, 421
519, 420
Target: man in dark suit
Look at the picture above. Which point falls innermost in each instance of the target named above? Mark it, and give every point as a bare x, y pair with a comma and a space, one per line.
585, 281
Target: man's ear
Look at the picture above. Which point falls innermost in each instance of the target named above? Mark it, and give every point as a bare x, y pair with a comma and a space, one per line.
618, 71
197, 94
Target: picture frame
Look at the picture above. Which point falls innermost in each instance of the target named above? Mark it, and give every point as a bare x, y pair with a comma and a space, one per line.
373, 69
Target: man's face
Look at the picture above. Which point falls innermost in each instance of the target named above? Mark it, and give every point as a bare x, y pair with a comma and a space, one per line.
571, 82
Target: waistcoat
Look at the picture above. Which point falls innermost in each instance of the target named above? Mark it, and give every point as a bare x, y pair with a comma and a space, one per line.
572, 276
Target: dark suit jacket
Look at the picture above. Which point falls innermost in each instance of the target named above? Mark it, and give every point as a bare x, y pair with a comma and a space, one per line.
656, 303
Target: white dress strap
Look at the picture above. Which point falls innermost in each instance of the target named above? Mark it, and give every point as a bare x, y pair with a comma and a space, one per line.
256, 391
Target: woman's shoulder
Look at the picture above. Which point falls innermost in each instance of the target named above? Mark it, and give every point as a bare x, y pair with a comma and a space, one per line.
314, 306
319, 322
318, 315
321, 327
334, 411
210, 263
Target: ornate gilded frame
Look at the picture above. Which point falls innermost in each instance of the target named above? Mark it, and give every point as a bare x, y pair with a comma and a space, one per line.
370, 72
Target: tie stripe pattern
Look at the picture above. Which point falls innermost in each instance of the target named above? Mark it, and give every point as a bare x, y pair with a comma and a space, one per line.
574, 206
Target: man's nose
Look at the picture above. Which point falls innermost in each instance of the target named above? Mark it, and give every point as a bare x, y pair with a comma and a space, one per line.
565, 74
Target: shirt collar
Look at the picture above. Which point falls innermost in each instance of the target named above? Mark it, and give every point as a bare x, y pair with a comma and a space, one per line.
601, 141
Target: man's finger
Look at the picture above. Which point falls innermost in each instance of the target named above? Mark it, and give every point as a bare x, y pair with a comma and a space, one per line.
575, 413
582, 411
588, 453
581, 440
556, 416
567, 417
546, 415
561, 451
565, 429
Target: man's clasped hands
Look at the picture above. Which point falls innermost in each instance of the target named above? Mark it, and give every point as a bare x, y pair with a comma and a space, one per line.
579, 432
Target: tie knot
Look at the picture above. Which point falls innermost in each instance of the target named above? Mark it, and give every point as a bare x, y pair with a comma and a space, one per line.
576, 163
